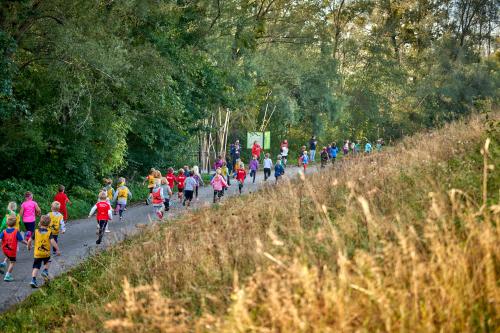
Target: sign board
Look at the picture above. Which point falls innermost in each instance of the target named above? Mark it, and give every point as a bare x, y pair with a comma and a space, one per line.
254, 136
267, 141
263, 138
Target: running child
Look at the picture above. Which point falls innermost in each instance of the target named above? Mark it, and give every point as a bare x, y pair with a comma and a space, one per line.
225, 173
345, 148
279, 169
189, 189
29, 211
150, 179
199, 180
167, 193
240, 176
324, 157
108, 187
218, 162
334, 150
170, 178
57, 223
253, 166
158, 198
104, 214
368, 148
180, 180
63, 200
218, 183
9, 239
268, 164
43, 240
305, 160
229, 166
121, 197
284, 152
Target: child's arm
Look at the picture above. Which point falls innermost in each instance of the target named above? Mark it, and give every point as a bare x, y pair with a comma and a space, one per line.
63, 227
38, 210
20, 238
129, 193
110, 213
30, 241
54, 244
92, 211
68, 201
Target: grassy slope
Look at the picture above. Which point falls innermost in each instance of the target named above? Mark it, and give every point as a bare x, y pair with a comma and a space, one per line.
350, 248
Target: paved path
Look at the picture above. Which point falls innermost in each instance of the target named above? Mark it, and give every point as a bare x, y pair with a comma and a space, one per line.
79, 240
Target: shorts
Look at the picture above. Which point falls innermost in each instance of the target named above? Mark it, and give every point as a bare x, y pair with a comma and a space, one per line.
188, 194
11, 259
219, 194
37, 263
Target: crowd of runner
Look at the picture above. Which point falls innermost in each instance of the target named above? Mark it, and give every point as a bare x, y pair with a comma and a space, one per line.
185, 183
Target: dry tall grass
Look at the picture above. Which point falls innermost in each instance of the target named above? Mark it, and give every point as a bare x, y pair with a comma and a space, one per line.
375, 244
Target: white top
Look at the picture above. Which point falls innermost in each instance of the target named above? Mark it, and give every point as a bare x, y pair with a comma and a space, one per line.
284, 151
268, 164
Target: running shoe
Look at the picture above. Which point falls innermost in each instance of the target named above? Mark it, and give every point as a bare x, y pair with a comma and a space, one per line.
45, 274
33, 284
8, 278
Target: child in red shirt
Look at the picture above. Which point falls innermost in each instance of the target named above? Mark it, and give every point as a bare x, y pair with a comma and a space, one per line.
63, 199
104, 214
8, 239
180, 179
241, 174
170, 178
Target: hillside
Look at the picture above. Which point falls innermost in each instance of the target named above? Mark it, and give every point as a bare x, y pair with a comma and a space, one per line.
406, 239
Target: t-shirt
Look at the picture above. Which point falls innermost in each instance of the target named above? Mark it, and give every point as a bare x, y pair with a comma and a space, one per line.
268, 164
333, 151
29, 214
170, 179
278, 170
254, 165
256, 149
284, 151
190, 184
62, 198
180, 181
103, 209
240, 175
312, 144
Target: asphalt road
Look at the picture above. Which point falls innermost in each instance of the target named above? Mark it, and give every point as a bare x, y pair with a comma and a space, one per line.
78, 242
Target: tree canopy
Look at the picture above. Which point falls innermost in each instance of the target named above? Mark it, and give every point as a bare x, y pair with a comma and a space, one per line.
89, 88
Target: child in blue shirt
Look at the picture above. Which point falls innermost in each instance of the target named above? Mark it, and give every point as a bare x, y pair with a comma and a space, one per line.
279, 170
333, 151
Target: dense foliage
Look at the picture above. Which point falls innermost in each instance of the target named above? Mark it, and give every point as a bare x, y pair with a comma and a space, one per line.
90, 88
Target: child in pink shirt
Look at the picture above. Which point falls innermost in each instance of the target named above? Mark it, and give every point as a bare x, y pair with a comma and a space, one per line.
218, 183
29, 211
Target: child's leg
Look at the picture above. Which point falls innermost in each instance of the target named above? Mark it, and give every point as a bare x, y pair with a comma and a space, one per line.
196, 192
122, 208
240, 186
215, 195
11, 266
55, 238
102, 228
46, 266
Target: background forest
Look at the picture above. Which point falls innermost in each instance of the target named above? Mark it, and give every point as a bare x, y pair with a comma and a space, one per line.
90, 88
